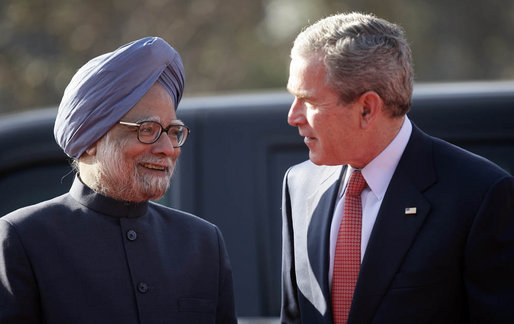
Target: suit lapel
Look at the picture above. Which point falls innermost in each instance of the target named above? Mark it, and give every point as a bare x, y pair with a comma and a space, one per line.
318, 234
394, 229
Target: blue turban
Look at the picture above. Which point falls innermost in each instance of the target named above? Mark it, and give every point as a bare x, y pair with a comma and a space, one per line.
108, 86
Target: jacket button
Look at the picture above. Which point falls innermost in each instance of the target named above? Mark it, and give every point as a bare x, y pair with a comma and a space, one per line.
131, 235
142, 287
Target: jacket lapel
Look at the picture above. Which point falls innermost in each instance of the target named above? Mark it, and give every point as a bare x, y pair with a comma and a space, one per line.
318, 235
395, 227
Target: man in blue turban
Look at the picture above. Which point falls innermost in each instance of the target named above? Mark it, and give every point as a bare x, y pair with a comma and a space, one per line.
104, 251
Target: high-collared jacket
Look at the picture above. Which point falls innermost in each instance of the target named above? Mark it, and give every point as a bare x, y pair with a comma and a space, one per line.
452, 261
86, 258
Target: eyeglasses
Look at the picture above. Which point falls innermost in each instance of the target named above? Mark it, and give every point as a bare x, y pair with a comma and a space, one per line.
149, 132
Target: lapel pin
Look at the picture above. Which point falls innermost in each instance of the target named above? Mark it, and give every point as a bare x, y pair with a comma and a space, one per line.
410, 211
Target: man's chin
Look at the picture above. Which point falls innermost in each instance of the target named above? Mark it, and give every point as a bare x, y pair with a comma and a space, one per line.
153, 190
315, 158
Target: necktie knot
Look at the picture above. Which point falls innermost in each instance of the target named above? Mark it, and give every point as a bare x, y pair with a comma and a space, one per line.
356, 184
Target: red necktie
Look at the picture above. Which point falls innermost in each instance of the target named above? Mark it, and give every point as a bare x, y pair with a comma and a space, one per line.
347, 258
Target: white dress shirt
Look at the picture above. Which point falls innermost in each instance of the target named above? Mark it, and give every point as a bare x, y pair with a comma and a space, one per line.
378, 174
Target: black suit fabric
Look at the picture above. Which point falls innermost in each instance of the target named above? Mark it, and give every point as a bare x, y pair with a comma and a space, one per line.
86, 258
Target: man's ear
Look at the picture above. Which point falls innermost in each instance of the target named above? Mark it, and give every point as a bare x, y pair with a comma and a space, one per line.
371, 105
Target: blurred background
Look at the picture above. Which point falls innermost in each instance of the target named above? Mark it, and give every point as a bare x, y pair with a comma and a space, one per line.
235, 45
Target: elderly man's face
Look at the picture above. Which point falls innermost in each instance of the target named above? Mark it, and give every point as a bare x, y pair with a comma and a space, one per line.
132, 171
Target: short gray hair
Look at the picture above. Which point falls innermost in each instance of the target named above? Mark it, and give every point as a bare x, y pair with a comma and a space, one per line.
362, 53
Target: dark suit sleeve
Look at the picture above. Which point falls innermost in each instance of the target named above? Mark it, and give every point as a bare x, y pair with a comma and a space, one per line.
289, 310
489, 258
19, 299
225, 312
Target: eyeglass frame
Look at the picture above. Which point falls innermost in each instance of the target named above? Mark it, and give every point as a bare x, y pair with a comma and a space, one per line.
163, 130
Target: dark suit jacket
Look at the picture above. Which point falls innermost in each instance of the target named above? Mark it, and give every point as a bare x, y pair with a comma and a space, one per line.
86, 258
451, 262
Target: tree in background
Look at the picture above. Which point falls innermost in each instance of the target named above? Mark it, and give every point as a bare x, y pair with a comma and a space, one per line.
234, 45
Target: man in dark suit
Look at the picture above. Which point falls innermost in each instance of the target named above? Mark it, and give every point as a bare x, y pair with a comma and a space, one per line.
103, 253
385, 224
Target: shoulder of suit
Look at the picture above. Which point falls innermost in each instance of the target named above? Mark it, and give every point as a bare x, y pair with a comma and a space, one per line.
38, 210
465, 162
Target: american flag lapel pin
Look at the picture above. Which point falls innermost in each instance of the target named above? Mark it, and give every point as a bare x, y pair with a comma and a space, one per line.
410, 211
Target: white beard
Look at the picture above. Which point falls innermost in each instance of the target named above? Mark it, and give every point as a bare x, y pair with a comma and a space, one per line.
118, 178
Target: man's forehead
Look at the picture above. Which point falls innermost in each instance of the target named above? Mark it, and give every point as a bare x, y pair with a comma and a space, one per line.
306, 75
137, 117
149, 117
155, 105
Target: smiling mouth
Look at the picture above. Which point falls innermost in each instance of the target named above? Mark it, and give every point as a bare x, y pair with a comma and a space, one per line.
154, 167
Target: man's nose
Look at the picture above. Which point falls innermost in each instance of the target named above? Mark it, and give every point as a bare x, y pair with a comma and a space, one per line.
296, 115
164, 146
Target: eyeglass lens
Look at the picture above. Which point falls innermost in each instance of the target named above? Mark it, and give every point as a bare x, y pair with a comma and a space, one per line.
149, 132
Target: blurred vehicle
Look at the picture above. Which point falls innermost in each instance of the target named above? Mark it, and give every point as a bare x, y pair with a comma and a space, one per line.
230, 170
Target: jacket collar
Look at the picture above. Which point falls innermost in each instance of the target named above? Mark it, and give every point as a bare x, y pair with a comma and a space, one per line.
103, 204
